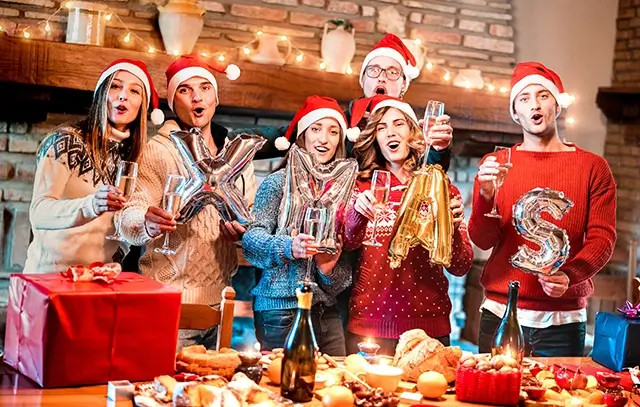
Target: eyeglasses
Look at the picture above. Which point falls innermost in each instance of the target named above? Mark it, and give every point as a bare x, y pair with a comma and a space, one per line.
374, 71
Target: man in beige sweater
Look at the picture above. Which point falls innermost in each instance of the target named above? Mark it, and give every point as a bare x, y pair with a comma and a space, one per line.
205, 258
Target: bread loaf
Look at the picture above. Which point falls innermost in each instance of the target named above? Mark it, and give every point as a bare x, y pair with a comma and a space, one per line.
417, 353
198, 360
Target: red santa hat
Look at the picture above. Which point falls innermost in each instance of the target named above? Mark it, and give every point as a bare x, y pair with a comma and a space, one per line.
391, 46
139, 69
313, 109
189, 66
530, 73
361, 106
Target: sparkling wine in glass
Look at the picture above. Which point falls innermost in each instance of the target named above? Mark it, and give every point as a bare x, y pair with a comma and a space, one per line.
314, 224
171, 203
503, 157
380, 186
434, 110
126, 178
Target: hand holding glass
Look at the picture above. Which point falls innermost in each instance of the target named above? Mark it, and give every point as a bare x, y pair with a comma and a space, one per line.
314, 223
503, 157
434, 110
126, 178
380, 187
171, 203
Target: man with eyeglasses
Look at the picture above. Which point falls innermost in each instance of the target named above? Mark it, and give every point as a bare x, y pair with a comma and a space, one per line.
387, 69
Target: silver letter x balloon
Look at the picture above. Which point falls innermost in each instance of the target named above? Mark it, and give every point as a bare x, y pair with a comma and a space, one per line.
212, 180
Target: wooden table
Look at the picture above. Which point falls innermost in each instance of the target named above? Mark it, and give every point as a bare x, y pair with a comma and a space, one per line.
17, 390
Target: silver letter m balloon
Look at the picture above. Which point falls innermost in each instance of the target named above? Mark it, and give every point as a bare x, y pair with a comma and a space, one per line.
553, 241
212, 180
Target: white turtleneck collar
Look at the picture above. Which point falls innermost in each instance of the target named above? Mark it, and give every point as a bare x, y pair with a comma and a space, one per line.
117, 135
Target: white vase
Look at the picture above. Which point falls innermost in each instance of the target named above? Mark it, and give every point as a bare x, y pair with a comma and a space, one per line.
268, 52
417, 49
338, 48
180, 23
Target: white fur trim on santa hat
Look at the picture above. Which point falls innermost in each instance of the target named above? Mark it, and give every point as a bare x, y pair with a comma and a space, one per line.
411, 72
282, 143
353, 134
403, 107
125, 66
232, 72
183, 75
315, 115
157, 117
532, 80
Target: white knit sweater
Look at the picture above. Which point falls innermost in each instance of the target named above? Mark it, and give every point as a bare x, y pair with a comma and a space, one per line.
66, 229
204, 261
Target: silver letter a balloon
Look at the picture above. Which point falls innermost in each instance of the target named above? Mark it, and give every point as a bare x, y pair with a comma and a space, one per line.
212, 180
552, 240
309, 184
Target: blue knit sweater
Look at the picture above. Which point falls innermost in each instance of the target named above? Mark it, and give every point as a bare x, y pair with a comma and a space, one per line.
272, 253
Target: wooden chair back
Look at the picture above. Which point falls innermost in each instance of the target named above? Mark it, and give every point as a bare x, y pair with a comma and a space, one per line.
202, 316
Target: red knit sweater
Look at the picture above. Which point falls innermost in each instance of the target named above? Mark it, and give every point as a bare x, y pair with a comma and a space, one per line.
387, 302
586, 179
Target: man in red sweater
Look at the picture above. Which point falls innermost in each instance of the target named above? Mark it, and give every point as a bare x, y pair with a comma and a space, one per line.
551, 309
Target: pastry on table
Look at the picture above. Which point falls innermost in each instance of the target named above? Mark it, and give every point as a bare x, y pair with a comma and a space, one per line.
417, 353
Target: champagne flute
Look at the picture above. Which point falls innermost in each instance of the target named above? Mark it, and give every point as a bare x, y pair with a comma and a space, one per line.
434, 110
126, 179
314, 223
503, 157
171, 203
380, 186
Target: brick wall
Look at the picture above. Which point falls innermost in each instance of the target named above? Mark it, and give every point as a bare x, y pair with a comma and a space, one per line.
458, 33
622, 146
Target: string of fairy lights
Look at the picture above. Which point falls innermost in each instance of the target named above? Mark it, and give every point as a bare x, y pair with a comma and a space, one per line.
247, 49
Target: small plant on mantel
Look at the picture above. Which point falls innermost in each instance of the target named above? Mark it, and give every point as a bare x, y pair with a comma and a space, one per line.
345, 24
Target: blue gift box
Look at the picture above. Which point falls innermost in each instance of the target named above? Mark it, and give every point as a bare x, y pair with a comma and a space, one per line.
617, 341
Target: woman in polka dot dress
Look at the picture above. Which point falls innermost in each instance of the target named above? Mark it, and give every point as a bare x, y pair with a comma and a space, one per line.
387, 302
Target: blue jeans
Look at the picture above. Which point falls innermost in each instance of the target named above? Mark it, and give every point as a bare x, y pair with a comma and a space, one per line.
272, 328
556, 340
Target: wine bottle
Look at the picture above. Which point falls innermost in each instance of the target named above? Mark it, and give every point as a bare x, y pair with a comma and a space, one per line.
509, 339
299, 364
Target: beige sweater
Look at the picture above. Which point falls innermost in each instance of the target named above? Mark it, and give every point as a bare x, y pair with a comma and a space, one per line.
204, 261
66, 229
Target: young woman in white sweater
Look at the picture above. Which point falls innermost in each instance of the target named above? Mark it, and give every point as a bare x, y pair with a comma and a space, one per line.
74, 199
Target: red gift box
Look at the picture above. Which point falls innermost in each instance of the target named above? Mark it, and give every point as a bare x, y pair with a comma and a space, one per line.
61, 333
499, 388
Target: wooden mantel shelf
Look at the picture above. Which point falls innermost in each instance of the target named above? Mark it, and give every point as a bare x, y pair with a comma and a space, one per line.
264, 87
620, 104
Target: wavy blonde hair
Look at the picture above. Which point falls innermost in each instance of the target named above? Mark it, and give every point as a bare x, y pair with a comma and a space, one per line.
367, 151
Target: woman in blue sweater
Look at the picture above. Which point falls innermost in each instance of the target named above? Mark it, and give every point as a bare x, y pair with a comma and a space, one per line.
320, 129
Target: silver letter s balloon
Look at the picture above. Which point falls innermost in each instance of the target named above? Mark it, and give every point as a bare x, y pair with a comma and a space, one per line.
212, 180
309, 184
552, 240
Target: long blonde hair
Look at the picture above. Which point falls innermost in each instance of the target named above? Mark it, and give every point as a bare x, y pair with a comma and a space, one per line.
95, 127
341, 150
367, 151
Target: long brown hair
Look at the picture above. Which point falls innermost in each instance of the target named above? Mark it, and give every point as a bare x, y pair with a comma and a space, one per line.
367, 151
95, 127
341, 150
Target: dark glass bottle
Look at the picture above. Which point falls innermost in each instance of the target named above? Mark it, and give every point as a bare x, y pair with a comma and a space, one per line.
299, 364
509, 339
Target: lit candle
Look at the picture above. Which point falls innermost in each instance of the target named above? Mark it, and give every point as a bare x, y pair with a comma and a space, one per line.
368, 349
250, 366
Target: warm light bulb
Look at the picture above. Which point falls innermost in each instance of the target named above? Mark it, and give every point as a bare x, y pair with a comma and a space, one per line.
349, 70
68, 5
447, 77
47, 27
323, 66
204, 54
491, 87
127, 38
1, 28
417, 41
151, 50
429, 66
246, 50
283, 38
259, 33
175, 53
571, 121
108, 17
221, 58
299, 58
26, 34
504, 90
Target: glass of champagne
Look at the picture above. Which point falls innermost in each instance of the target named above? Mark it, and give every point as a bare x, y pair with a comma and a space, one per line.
380, 186
314, 223
434, 110
126, 178
503, 157
171, 203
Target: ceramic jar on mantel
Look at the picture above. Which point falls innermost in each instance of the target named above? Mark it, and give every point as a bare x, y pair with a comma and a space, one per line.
338, 48
180, 23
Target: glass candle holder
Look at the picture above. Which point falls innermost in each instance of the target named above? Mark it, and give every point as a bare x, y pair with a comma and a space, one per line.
369, 350
250, 365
